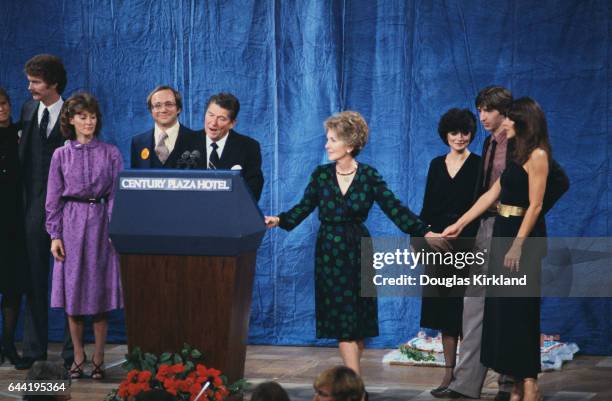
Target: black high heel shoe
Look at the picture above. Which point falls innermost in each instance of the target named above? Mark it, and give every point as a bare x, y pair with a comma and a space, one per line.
10, 353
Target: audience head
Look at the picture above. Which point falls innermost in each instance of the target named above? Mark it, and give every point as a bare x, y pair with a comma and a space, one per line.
455, 122
5, 108
338, 384
155, 395
527, 123
74, 111
269, 391
165, 104
350, 128
46, 76
220, 116
45, 371
492, 103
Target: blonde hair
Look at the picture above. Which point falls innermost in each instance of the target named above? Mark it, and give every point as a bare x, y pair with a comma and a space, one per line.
351, 128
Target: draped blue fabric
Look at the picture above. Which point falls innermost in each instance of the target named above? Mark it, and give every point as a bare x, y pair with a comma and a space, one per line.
293, 63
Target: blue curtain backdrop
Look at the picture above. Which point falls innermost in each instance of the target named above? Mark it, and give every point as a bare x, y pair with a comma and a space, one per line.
293, 63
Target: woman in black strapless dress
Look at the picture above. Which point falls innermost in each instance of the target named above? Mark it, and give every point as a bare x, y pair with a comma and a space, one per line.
511, 325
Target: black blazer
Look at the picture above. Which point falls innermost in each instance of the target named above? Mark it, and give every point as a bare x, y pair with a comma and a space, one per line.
27, 122
143, 149
243, 151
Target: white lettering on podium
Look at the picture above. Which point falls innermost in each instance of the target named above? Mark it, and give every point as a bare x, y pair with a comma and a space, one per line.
175, 184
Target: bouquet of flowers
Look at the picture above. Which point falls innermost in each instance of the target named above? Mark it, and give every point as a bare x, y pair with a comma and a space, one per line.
182, 374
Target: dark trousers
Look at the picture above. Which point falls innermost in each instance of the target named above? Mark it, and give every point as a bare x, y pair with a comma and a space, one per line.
36, 319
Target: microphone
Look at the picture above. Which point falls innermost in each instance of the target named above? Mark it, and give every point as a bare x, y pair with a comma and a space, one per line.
190, 159
194, 158
184, 160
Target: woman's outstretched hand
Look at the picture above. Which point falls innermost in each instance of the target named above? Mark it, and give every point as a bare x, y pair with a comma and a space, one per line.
271, 221
452, 231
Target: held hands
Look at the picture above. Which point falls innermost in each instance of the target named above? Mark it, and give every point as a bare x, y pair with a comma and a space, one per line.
453, 230
271, 221
436, 241
57, 249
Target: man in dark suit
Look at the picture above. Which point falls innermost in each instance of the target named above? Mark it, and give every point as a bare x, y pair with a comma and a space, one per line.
225, 148
40, 136
165, 145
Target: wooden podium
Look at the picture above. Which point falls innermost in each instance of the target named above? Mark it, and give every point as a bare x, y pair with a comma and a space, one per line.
188, 242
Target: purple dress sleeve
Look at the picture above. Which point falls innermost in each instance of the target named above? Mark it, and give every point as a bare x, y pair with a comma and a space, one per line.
117, 166
54, 204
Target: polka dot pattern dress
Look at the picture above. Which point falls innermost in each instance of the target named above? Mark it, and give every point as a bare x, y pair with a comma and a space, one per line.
341, 312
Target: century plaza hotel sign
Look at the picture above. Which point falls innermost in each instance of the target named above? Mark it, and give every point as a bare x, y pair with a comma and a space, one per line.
175, 184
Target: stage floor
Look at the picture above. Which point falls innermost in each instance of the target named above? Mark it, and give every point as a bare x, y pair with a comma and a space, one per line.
585, 378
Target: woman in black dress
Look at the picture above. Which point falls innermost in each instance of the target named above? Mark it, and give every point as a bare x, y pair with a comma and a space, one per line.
451, 184
345, 191
511, 326
12, 253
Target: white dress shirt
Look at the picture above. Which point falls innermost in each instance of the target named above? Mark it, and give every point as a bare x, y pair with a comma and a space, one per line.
172, 136
54, 112
220, 144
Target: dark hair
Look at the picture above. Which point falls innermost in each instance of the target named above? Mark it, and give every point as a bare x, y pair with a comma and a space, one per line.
343, 382
155, 395
48, 67
76, 104
177, 96
226, 101
457, 120
351, 128
45, 370
4, 94
531, 129
269, 391
494, 98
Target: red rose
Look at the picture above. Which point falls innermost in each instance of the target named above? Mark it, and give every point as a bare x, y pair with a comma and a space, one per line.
133, 373
134, 388
178, 368
144, 376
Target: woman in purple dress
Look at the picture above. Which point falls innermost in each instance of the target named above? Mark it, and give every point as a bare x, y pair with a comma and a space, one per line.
80, 196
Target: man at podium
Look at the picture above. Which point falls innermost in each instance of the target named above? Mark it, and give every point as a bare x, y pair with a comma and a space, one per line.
225, 148
164, 145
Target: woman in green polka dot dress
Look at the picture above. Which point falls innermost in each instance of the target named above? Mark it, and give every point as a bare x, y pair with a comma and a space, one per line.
344, 191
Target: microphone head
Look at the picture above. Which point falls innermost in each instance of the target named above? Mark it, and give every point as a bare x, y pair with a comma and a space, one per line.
185, 155
195, 154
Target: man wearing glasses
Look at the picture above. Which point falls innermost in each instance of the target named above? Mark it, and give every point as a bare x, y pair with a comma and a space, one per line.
165, 145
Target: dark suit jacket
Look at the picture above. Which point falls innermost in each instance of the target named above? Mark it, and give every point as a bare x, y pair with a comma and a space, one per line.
33, 187
27, 121
143, 149
243, 151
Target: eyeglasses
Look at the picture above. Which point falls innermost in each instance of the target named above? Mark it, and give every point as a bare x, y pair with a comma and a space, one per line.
158, 106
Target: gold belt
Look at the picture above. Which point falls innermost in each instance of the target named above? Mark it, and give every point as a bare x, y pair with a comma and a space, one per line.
509, 210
